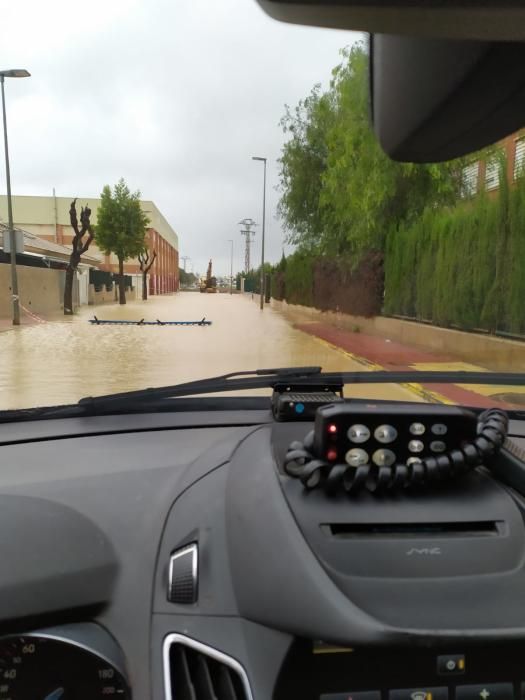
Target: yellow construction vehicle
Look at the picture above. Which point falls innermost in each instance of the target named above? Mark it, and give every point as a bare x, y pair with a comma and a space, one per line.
208, 285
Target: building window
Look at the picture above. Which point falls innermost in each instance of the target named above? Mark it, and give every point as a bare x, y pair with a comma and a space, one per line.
470, 179
492, 174
519, 158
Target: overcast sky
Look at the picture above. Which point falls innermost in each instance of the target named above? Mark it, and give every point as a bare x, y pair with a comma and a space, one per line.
173, 95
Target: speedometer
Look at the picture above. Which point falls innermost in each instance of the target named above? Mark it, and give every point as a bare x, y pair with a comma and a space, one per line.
41, 667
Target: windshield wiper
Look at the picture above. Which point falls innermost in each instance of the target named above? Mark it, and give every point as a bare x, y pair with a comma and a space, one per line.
153, 397
128, 400
306, 376
249, 379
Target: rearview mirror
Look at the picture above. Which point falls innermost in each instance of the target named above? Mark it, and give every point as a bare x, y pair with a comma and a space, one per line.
445, 80
482, 20
433, 100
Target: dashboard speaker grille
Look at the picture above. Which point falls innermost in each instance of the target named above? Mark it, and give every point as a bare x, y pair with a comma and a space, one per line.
183, 575
197, 672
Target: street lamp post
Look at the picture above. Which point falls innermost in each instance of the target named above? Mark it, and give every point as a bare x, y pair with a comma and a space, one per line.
14, 73
231, 265
263, 229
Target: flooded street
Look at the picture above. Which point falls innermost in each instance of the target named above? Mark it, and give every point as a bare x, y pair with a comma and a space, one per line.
61, 361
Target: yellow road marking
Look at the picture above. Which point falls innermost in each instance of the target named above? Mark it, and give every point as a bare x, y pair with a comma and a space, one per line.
494, 389
424, 394
482, 389
349, 355
450, 366
427, 395
413, 387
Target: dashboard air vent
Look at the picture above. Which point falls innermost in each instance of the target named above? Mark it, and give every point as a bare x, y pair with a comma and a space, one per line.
194, 671
489, 528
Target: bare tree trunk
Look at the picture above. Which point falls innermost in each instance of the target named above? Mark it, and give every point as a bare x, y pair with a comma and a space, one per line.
145, 265
121, 282
80, 245
68, 291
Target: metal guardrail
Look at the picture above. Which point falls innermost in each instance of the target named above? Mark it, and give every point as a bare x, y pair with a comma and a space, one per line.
122, 322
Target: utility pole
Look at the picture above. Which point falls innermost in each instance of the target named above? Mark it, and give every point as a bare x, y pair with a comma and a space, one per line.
247, 231
231, 265
184, 258
262, 160
56, 214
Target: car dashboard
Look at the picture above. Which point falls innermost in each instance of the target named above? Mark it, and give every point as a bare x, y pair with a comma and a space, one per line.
169, 555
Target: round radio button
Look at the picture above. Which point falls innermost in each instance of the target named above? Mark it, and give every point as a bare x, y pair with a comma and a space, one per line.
417, 429
385, 434
416, 446
439, 429
383, 458
438, 446
358, 433
356, 457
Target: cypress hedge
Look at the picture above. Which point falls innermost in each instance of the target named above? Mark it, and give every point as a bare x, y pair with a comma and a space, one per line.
462, 267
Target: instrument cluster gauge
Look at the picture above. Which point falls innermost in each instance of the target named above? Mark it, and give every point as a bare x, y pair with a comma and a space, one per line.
46, 666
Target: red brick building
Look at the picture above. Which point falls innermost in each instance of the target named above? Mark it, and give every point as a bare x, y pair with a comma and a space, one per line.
48, 218
484, 175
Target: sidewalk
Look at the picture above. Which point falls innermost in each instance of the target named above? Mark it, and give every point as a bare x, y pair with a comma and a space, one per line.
28, 317
378, 353
6, 324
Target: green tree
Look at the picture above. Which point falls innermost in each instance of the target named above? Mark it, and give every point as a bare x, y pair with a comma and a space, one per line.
303, 162
121, 227
340, 194
187, 279
252, 281
369, 194
463, 266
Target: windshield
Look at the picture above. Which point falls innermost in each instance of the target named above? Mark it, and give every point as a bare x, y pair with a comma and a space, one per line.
192, 188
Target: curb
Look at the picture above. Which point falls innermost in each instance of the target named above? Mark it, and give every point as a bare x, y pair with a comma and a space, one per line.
415, 388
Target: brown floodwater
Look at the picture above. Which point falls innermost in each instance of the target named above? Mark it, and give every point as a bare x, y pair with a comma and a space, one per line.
61, 361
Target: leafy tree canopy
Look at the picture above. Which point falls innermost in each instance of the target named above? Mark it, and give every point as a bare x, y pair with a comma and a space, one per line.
340, 194
121, 223
186, 278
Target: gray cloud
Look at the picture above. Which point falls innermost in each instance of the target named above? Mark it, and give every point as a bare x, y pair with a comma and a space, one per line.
175, 96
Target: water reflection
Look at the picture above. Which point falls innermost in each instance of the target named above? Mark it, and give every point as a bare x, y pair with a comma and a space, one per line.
59, 362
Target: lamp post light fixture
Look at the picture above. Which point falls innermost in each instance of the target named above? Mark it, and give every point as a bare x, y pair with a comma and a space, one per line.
13, 73
263, 160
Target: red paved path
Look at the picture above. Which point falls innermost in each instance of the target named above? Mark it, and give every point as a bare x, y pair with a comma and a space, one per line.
395, 356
